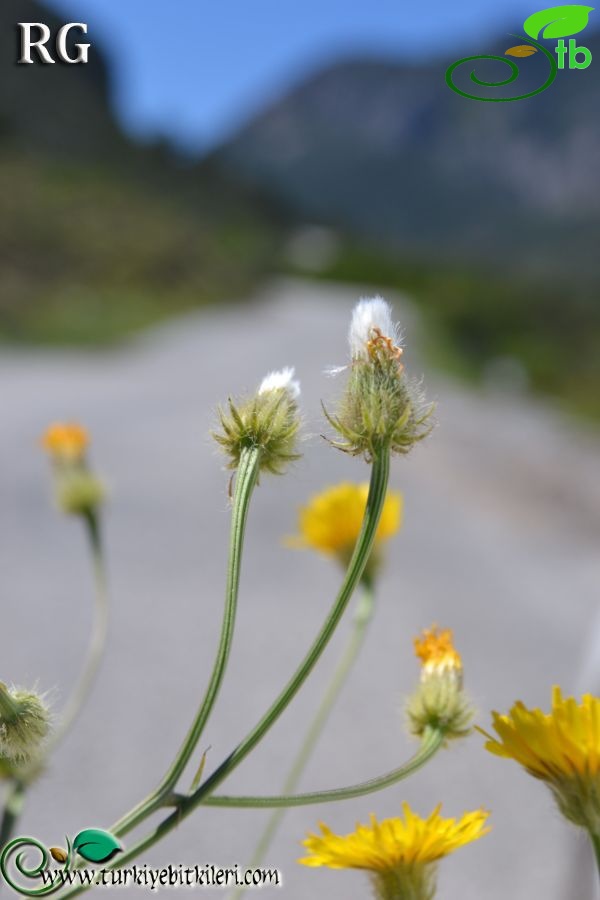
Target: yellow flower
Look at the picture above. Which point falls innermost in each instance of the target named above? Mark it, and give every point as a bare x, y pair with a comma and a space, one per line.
439, 702
78, 491
400, 853
330, 523
561, 748
437, 652
66, 442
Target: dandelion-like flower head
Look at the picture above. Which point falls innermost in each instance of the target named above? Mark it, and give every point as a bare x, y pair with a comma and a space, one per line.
400, 854
331, 521
561, 748
439, 702
437, 653
559, 744
66, 441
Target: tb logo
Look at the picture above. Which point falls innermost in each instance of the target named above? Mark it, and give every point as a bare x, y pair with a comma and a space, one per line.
34, 36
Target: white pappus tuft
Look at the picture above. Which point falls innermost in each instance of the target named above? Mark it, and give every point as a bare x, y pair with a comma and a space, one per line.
371, 317
282, 380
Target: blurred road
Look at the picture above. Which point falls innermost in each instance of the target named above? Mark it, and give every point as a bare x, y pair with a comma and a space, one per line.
500, 542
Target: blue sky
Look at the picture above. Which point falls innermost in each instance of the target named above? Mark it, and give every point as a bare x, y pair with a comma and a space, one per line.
192, 69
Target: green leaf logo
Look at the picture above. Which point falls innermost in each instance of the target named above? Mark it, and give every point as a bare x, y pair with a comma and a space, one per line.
558, 21
96, 845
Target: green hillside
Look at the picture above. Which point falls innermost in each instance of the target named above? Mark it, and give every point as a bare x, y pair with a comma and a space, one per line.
100, 236
88, 255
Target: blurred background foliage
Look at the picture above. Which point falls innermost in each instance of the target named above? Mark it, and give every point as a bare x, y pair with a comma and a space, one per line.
367, 171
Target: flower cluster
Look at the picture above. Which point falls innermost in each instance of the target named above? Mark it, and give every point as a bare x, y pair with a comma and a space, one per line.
382, 411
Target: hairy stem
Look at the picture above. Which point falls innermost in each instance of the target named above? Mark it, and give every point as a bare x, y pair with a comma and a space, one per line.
17, 792
97, 640
12, 810
431, 742
245, 483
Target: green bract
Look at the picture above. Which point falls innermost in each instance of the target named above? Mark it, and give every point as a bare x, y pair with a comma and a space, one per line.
380, 407
440, 703
24, 724
268, 422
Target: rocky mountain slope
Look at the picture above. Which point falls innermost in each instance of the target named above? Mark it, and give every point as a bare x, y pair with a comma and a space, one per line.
387, 150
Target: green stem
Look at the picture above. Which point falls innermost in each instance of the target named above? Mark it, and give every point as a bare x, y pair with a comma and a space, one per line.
246, 478
97, 643
17, 793
596, 845
12, 810
187, 804
362, 618
431, 742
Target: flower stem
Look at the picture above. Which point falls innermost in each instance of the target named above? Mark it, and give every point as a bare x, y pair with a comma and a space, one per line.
188, 803
12, 810
98, 637
362, 618
431, 742
595, 838
360, 556
17, 792
247, 475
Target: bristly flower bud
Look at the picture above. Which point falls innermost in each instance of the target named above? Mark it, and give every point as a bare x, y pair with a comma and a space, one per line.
381, 405
440, 701
268, 421
77, 490
24, 724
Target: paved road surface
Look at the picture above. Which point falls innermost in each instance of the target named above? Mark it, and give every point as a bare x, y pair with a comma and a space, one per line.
500, 542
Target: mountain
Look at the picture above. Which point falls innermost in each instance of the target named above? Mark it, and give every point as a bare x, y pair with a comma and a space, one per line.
387, 151
101, 235
488, 214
